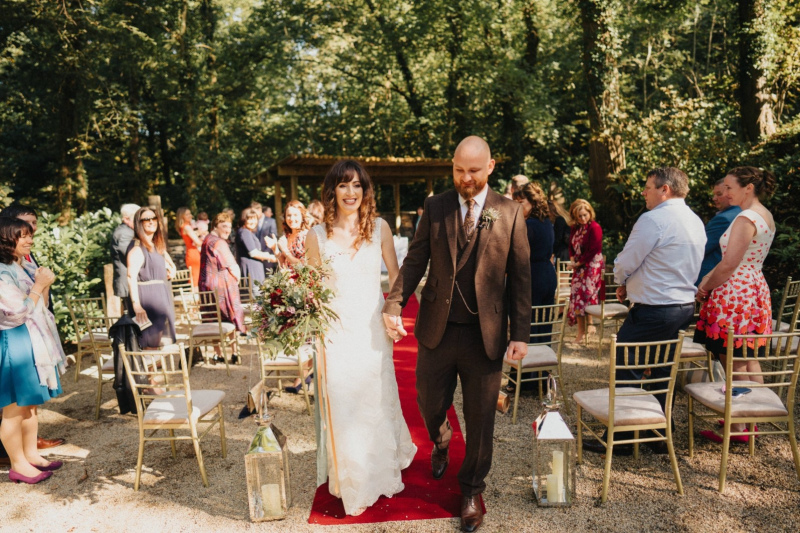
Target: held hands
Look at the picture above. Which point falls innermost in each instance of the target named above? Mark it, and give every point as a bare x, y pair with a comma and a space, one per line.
394, 327
44, 277
516, 351
141, 314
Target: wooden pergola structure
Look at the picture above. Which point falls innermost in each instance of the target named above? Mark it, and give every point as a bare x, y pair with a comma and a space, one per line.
310, 170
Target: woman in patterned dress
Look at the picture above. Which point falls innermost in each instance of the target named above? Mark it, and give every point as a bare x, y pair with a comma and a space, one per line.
295, 228
585, 251
220, 273
735, 291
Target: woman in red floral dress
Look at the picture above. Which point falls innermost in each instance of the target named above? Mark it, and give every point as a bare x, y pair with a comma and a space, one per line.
735, 291
585, 251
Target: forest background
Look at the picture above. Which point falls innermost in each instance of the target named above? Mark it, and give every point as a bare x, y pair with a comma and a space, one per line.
104, 102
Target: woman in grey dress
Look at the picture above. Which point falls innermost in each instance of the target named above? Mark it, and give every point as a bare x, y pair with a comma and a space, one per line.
149, 270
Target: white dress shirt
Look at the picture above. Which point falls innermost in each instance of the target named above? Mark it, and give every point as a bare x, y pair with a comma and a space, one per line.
480, 199
662, 257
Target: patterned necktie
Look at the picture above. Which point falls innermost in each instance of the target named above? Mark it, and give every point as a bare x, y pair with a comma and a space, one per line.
469, 220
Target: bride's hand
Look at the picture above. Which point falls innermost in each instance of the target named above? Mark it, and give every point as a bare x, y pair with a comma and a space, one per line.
394, 326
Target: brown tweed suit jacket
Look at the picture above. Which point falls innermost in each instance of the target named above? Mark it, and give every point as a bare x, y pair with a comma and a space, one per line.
502, 274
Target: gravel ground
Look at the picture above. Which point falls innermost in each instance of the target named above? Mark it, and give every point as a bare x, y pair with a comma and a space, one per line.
94, 490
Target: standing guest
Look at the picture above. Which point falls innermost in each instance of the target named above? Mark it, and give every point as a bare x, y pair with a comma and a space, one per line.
31, 357
561, 221
120, 241
716, 227
220, 273
266, 225
30, 264
543, 274
292, 244
586, 253
656, 271
248, 249
201, 225
735, 291
192, 241
317, 212
149, 269
486, 235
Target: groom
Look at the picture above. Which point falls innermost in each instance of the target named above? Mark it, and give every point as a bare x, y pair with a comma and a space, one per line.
476, 244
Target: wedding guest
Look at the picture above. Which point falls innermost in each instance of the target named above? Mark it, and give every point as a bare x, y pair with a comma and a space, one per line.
317, 212
561, 222
220, 273
120, 240
248, 249
735, 291
149, 269
30, 264
31, 357
543, 274
201, 225
716, 227
656, 272
192, 241
586, 253
292, 244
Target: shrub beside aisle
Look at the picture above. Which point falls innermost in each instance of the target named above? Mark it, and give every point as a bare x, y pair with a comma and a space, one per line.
76, 253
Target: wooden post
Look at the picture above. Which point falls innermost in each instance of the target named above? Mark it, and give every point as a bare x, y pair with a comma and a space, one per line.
429, 182
397, 208
293, 188
278, 207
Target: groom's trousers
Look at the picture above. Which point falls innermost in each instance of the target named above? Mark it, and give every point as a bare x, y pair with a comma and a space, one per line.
461, 355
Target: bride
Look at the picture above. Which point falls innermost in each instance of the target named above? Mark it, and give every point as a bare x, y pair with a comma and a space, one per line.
363, 440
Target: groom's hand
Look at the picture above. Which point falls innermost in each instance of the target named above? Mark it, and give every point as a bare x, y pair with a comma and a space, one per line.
394, 326
517, 350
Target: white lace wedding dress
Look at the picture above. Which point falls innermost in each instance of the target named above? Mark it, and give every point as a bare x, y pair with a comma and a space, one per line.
367, 440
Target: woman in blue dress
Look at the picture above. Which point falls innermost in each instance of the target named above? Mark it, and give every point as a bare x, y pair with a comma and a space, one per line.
249, 250
31, 357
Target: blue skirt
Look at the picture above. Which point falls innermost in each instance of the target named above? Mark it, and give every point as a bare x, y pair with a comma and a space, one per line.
19, 380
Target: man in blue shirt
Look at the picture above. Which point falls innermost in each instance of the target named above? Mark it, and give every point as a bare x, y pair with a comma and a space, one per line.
656, 271
716, 227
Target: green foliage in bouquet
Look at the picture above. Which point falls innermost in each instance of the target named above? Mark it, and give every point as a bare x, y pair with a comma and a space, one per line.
293, 306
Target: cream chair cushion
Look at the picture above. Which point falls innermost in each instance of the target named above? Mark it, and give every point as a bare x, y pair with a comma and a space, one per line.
173, 410
98, 337
612, 310
628, 410
783, 343
784, 327
692, 349
759, 402
537, 356
211, 330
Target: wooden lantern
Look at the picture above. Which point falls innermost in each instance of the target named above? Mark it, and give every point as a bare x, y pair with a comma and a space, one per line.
266, 463
554, 459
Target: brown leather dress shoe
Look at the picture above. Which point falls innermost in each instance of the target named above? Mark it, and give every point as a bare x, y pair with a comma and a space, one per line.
471, 513
48, 443
439, 461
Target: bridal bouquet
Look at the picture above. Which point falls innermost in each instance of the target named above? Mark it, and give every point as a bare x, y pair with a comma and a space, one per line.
293, 306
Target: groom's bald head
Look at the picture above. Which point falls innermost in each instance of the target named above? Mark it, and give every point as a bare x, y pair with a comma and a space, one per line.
472, 164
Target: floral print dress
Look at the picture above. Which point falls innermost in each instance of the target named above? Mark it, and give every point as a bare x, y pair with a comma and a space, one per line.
587, 279
743, 301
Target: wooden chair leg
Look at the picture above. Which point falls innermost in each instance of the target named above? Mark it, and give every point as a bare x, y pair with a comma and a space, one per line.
726, 443
690, 409
139, 459
222, 438
99, 398
607, 469
172, 444
518, 386
199, 453
674, 460
599, 336
580, 435
793, 443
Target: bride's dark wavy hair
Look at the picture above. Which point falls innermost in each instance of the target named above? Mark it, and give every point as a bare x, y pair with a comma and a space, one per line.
346, 171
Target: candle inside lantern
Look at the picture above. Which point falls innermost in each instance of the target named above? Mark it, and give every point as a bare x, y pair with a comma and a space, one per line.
553, 492
558, 464
271, 498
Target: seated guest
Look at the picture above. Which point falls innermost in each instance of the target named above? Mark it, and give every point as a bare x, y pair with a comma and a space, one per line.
716, 227
31, 357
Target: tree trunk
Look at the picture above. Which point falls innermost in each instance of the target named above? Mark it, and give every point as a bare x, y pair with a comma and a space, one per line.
757, 115
606, 150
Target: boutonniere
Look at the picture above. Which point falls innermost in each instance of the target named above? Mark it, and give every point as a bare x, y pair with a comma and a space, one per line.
489, 216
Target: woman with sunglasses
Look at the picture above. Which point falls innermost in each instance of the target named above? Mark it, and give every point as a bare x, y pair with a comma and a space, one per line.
149, 270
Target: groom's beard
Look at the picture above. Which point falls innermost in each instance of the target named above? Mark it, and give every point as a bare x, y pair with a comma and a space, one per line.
469, 191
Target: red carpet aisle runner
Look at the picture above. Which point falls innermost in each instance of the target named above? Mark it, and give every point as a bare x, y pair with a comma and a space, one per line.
423, 497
